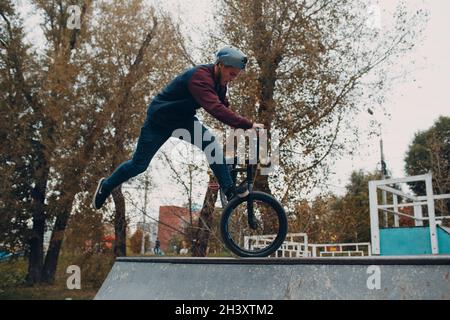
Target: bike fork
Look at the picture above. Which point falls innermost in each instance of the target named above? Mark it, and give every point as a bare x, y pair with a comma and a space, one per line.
251, 214
250, 210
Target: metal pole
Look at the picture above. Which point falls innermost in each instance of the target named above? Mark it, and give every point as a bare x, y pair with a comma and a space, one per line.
419, 215
146, 184
374, 224
383, 170
396, 216
383, 177
431, 215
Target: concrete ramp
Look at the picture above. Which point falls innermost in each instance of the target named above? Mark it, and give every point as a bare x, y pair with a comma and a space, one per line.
405, 277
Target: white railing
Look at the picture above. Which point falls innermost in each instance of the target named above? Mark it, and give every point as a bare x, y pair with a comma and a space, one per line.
342, 254
340, 249
296, 246
415, 201
291, 250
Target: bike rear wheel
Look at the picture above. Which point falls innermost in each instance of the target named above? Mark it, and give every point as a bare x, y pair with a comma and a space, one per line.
261, 234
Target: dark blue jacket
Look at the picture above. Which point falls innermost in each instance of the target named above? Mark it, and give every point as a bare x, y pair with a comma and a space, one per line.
191, 90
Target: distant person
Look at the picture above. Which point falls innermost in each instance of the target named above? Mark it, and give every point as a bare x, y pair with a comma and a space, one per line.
184, 250
157, 248
175, 108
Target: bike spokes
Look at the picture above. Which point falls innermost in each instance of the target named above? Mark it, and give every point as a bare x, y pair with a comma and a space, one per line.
252, 221
253, 226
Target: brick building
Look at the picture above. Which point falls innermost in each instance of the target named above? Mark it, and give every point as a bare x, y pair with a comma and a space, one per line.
175, 217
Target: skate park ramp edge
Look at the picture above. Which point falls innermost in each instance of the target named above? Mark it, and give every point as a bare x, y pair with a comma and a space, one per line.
330, 278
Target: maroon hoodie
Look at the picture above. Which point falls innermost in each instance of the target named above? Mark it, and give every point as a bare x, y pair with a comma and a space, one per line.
194, 88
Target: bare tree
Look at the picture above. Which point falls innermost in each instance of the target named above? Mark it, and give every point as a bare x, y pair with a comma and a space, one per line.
312, 66
86, 97
185, 173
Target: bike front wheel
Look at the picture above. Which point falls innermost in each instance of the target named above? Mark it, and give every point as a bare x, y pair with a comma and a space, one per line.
254, 226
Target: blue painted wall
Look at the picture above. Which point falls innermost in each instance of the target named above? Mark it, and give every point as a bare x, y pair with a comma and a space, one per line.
411, 241
444, 241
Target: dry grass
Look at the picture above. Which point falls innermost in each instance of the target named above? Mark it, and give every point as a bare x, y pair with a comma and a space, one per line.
94, 269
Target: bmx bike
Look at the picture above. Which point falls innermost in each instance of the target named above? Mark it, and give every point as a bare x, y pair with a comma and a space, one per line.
256, 225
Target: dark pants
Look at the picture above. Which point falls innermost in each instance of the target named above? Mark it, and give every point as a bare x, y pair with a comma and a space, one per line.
151, 139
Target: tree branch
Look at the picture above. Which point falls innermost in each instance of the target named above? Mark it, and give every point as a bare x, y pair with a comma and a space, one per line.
315, 164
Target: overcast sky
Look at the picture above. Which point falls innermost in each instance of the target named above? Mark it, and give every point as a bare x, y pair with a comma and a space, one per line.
412, 105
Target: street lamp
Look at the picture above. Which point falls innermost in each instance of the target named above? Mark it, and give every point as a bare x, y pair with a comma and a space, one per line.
383, 170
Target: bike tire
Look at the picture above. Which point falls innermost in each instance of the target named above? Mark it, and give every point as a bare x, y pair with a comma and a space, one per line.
281, 232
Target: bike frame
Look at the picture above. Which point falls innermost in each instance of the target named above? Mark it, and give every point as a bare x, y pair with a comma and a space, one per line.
252, 201
250, 170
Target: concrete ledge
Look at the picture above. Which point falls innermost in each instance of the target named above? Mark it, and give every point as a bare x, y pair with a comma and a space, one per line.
373, 260
349, 278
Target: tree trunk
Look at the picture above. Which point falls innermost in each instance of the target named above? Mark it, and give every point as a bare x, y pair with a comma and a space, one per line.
36, 241
81, 160
36, 254
268, 59
205, 223
51, 259
38, 269
120, 223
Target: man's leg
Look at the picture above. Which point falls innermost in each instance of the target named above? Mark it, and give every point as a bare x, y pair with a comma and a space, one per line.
219, 167
150, 140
